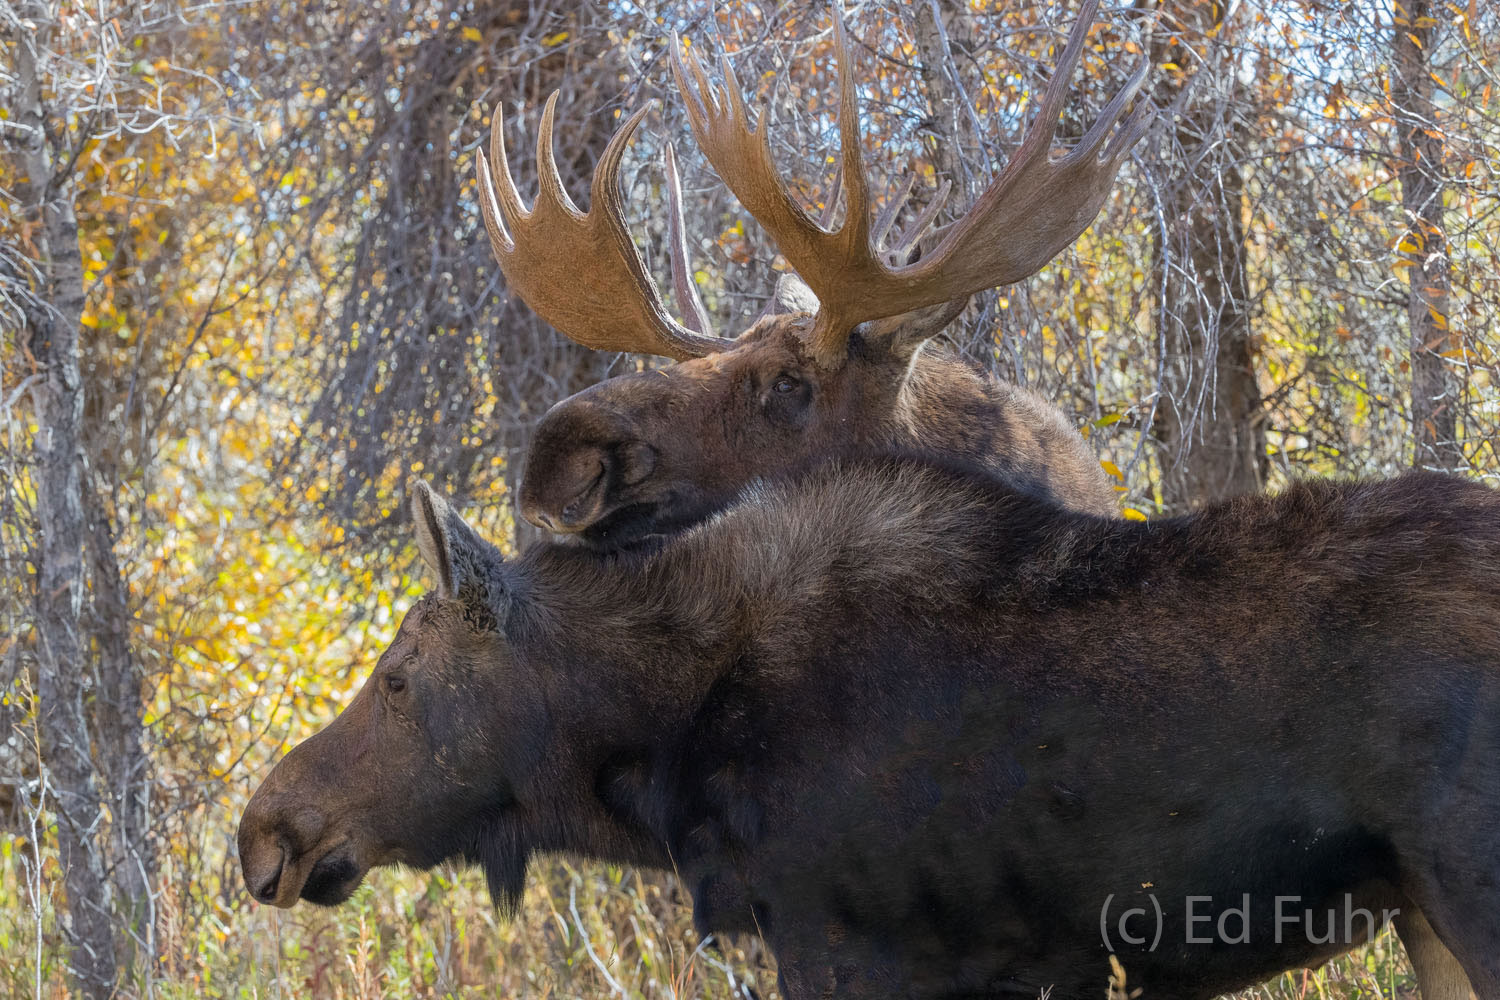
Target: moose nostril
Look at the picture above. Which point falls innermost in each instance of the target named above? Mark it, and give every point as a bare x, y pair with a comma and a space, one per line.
266, 892
583, 503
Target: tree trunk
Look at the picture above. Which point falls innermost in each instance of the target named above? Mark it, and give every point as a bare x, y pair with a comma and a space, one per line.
1434, 392
63, 648
119, 732
930, 31
1210, 414
118, 716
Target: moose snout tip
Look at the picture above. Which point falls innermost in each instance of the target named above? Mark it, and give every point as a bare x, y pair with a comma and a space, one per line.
542, 519
570, 494
263, 863
541, 514
275, 835
263, 885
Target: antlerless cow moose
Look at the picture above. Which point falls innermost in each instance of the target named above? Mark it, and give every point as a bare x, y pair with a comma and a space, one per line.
921, 730
646, 453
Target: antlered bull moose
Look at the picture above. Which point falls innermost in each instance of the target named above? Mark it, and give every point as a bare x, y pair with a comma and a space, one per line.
933, 736
838, 361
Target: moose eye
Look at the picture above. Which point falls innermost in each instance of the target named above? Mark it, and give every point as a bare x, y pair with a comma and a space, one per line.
395, 683
784, 385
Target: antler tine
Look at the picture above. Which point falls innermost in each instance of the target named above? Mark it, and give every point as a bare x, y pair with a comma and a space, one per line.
1129, 131
895, 253
893, 206
898, 251
549, 180
694, 314
509, 203
831, 201
540, 250
856, 230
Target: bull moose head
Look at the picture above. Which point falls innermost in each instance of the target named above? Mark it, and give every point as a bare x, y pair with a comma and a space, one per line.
836, 363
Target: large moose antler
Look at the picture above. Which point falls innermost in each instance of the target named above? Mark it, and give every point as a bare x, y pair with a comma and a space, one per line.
582, 272
1029, 213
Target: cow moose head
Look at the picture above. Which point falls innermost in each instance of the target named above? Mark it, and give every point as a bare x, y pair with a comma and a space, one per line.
836, 362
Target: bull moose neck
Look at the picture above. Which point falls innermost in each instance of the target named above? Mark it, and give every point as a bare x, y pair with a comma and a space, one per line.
918, 729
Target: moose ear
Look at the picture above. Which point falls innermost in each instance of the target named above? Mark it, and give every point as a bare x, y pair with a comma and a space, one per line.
902, 335
430, 514
452, 549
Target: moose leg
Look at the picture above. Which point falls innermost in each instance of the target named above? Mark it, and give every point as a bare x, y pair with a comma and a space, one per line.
1439, 974
1470, 931
1456, 916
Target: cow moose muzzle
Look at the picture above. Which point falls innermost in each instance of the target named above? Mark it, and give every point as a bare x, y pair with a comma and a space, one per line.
291, 843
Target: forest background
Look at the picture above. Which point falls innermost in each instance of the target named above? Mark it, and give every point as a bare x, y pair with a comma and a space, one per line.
245, 297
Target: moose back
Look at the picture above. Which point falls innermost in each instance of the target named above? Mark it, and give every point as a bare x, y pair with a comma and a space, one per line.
934, 737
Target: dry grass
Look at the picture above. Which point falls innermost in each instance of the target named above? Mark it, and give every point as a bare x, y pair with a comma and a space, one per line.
585, 931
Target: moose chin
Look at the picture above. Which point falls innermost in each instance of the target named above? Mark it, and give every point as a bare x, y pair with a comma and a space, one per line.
931, 735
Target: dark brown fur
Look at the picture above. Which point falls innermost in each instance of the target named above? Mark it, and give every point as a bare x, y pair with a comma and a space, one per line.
652, 452
917, 727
